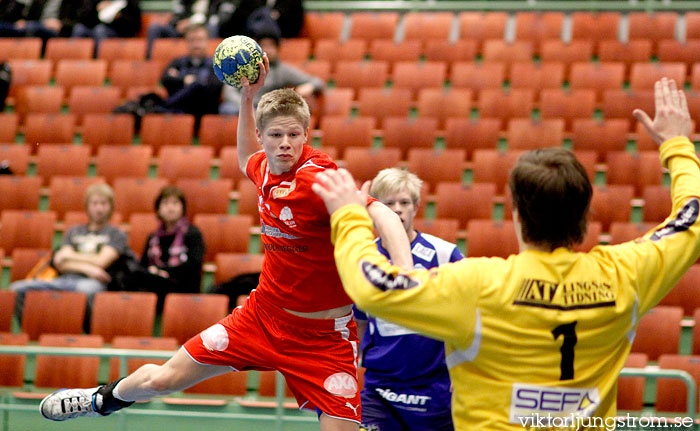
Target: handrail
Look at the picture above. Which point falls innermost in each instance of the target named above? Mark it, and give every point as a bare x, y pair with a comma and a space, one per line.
668, 373
123, 354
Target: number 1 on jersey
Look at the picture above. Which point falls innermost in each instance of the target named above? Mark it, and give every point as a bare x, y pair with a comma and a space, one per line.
568, 330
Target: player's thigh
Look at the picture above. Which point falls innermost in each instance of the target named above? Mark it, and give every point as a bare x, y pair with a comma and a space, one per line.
334, 424
181, 371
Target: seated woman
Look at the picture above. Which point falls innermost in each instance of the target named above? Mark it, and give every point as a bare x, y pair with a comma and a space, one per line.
173, 255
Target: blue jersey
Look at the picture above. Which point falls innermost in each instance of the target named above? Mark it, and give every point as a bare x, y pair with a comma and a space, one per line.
399, 356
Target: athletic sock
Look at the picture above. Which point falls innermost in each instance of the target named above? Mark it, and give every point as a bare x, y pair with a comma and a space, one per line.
106, 402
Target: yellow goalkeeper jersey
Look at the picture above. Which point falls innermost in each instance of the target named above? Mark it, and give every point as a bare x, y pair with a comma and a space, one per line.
538, 335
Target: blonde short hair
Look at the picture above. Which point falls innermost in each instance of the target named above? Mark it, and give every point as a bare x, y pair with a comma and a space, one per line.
100, 189
393, 180
284, 102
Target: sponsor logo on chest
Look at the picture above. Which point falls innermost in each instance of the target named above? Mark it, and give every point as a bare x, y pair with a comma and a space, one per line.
423, 252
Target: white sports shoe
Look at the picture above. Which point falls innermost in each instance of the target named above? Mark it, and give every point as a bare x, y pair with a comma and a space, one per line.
69, 404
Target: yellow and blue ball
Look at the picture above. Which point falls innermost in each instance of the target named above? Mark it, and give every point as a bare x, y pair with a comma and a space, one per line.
236, 57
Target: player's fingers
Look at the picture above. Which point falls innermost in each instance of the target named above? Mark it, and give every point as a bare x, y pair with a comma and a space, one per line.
321, 191
643, 118
666, 91
365, 187
346, 178
673, 93
683, 102
244, 81
658, 95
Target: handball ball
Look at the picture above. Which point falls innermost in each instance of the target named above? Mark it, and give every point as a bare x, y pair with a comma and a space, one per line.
236, 57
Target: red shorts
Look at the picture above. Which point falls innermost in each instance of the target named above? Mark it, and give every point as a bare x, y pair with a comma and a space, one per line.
318, 357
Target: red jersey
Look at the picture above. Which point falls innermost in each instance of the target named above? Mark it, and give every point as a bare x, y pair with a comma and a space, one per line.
299, 270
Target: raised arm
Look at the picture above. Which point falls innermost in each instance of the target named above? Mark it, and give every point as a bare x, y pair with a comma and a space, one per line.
393, 234
247, 138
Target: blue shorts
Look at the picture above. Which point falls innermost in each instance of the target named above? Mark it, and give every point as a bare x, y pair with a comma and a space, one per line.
418, 408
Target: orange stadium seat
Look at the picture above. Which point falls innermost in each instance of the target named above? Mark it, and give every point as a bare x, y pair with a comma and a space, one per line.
653, 26
323, 25
29, 72
130, 73
58, 48
644, 75
406, 133
671, 394
695, 77
621, 104
53, 312
630, 390
122, 49
506, 104
659, 332
179, 321
472, 134
671, 50
267, 385
639, 169
295, 50
477, 77
334, 50
134, 195
360, 75
167, 129
392, 52
59, 371
123, 313
566, 53
493, 166
464, 202
538, 26
422, 162
19, 192
20, 48
70, 73
247, 202
449, 51
24, 259
336, 101
107, 129
140, 226
445, 228
229, 384
114, 161
31, 229
381, 103
218, 131
628, 53
601, 136
224, 233
67, 193
686, 293
568, 105
416, 76
595, 26
481, 26
60, 159
177, 162
611, 203
167, 49
140, 343
488, 238
48, 128
85, 100
228, 166
231, 265
499, 50
696, 332
545, 75
12, 365
37, 99
7, 310
341, 132
597, 76
444, 103
427, 25
692, 24
372, 25
17, 157
588, 160
526, 134
627, 231
657, 203
364, 163
206, 196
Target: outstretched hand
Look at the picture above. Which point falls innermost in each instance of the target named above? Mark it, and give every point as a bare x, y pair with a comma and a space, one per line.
337, 189
250, 89
671, 116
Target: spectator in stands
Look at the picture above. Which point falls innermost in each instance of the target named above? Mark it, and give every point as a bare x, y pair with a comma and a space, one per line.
173, 255
92, 255
40, 18
287, 14
280, 75
227, 18
547, 323
398, 360
109, 18
190, 81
